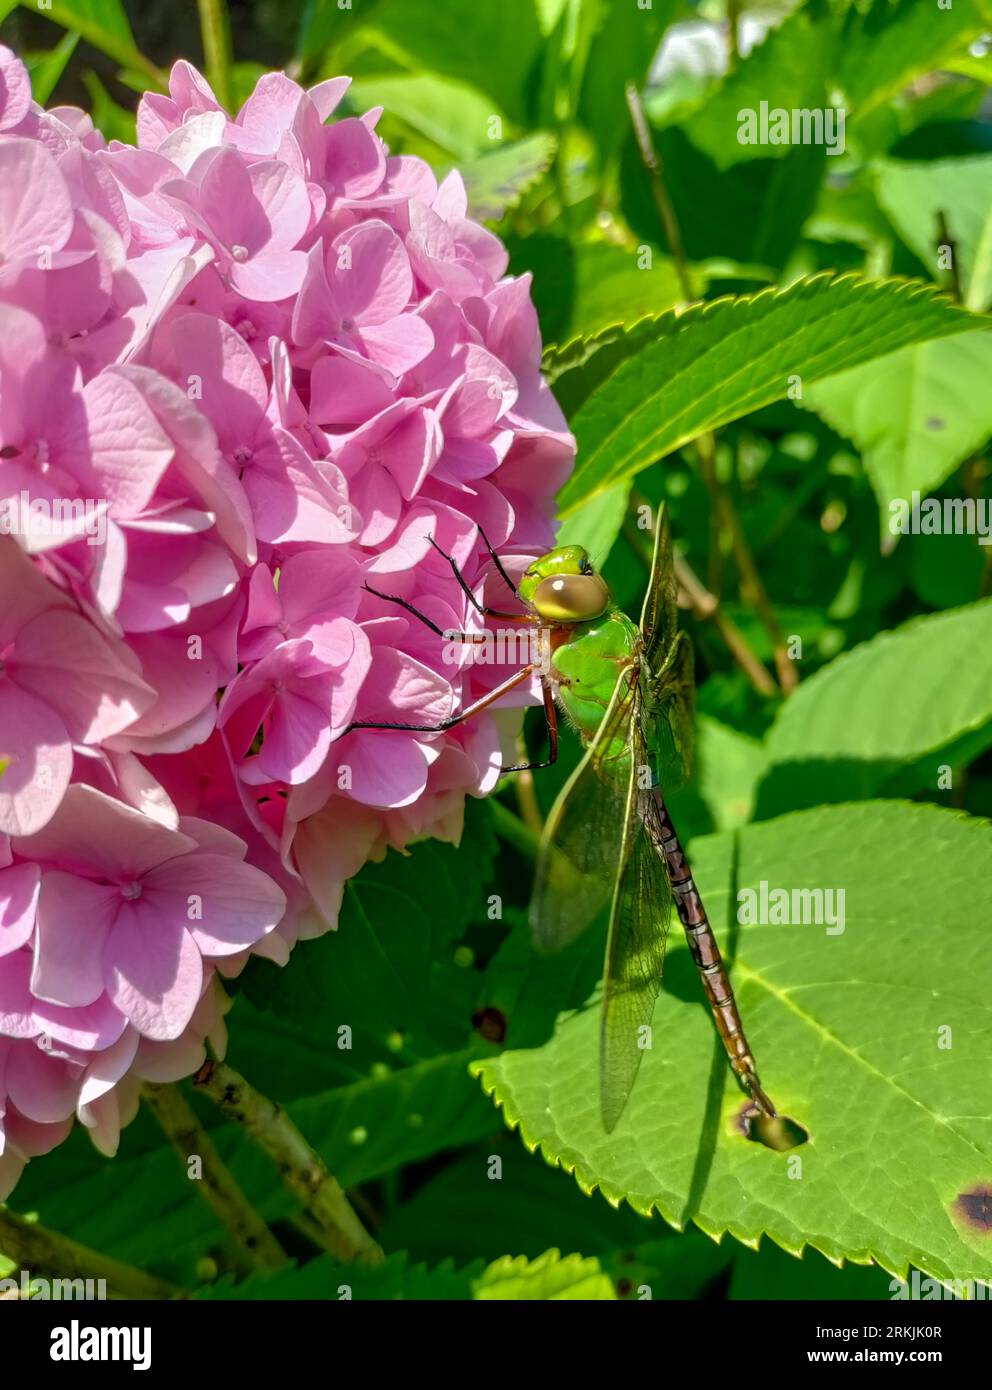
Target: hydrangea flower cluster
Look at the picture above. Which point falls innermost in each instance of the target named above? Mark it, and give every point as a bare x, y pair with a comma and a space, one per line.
246, 368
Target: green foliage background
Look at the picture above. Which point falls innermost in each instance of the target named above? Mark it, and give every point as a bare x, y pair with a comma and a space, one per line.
844, 783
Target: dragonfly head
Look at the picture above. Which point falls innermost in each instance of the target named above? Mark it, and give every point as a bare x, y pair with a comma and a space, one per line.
563, 587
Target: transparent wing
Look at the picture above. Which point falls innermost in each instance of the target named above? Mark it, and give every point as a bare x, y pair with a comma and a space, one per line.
659, 614
580, 847
671, 717
635, 948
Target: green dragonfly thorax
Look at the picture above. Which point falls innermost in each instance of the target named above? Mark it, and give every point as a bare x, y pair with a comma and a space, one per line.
587, 664
594, 643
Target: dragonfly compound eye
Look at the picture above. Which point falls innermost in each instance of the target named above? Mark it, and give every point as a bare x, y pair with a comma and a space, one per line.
571, 598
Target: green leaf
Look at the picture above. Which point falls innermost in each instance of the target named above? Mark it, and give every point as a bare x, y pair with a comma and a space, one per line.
913, 194
109, 116
884, 716
496, 181
104, 24
582, 288
884, 47
770, 1274
578, 367
727, 767
548, 1277
450, 114
914, 414
324, 1280
716, 362
946, 570
788, 70
752, 211
847, 1032
597, 523
47, 68
494, 48
622, 47
462, 1211
324, 24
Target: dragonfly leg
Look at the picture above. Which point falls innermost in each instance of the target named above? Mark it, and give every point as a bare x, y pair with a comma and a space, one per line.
466, 589
706, 953
551, 719
476, 707
441, 632
498, 563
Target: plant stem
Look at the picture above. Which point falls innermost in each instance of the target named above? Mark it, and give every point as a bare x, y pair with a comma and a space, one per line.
944, 238
733, 34
752, 585
659, 189
47, 1253
215, 28
706, 606
301, 1168
515, 831
523, 787
724, 510
216, 1184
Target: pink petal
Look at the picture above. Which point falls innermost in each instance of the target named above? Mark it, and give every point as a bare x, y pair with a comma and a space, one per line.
94, 686
208, 353
35, 740
370, 273
35, 208
154, 970
93, 835
108, 1066
343, 392
43, 1088
327, 95
90, 1028
356, 160
74, 918
18, 905
387, 769
399, 345
15, 89
282, 195
270, 275
238, 902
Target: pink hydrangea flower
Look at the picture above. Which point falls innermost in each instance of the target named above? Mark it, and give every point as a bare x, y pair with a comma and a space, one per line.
246, 369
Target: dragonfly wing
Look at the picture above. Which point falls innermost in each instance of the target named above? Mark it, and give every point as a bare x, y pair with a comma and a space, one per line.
659, 613
635, 948
580, 847
672, 716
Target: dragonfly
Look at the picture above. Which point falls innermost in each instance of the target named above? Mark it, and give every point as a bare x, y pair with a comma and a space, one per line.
609, 843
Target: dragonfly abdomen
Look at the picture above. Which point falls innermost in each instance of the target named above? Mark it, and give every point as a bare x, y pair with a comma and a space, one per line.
705, 949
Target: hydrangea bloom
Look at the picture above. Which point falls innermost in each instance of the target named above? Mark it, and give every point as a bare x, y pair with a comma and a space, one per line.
245, 368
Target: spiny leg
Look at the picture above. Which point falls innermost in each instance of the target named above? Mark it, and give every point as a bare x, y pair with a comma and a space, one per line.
448, 634
498, 563
551, 720
706, 953
466, 589
476, 707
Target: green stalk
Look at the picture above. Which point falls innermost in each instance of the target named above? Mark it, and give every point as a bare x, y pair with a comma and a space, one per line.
215, 27
50, 1255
